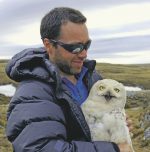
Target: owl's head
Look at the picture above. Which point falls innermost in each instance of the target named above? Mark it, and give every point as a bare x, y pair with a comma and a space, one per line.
109, 92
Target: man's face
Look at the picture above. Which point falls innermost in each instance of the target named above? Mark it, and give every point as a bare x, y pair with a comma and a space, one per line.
67, 62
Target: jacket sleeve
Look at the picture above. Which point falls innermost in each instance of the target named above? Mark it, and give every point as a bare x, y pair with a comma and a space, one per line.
36, 125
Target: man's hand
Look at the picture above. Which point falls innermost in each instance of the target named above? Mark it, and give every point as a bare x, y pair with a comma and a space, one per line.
124, 147
129, 123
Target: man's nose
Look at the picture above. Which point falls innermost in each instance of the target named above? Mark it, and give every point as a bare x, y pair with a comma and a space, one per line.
83, 54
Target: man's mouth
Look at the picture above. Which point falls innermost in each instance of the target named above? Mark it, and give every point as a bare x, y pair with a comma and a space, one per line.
79, 62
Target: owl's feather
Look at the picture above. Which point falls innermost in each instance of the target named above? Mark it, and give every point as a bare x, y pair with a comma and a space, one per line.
104, 112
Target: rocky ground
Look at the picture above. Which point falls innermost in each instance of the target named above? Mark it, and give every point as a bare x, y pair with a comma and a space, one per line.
137, 108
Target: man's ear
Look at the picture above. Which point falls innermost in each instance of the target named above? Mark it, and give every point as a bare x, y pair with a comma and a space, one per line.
49, 46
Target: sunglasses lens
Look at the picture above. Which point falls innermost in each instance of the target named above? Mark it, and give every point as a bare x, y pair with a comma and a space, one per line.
87, 45
77, 50
73, 48
80, 47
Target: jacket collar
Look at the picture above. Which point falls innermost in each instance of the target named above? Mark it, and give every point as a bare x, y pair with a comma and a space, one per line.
34, 62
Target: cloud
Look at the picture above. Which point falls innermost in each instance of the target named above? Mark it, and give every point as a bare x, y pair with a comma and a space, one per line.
122, 57
117, 16
124, 60
29, 35
112, 24
131, 43
125, 50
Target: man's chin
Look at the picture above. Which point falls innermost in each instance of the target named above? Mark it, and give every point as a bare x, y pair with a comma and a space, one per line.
76, 71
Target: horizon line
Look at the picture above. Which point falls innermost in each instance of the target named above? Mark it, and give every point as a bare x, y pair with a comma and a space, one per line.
9, 58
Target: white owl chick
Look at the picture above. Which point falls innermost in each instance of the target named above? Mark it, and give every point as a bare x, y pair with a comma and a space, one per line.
104, 112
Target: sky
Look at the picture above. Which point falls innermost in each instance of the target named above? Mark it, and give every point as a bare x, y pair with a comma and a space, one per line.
120, 30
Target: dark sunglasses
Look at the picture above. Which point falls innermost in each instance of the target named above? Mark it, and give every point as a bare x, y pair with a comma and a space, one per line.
72, 48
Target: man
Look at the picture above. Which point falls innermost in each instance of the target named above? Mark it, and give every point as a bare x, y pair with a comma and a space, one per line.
45, 115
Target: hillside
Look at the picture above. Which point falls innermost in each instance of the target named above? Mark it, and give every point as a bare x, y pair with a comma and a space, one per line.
3, 78
137, 107
130, 75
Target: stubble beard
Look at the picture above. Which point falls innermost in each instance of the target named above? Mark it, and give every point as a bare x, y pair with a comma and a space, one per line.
66, 68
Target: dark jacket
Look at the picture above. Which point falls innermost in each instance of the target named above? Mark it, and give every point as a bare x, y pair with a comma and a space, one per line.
42, 115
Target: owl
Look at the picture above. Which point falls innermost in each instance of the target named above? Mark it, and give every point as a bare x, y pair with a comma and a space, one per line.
105, 114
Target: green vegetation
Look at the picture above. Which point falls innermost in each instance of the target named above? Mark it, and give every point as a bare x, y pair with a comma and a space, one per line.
139, 144
137, 104
3, 77
5, 146
132, 75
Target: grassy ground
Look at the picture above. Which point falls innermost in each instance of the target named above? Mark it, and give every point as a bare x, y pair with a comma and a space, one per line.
139, 144
5, 146
3, 77
132, 75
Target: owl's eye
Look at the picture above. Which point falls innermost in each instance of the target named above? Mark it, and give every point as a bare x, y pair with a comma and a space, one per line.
101, 87
117, 90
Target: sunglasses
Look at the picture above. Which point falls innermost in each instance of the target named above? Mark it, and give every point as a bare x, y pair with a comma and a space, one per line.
72, 48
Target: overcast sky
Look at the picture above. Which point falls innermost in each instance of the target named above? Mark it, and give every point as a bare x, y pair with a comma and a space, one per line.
120, 30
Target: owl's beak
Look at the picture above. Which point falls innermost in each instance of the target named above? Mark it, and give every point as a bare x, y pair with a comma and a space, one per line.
108, 96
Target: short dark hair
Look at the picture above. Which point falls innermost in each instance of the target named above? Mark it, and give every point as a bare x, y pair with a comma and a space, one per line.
52, 21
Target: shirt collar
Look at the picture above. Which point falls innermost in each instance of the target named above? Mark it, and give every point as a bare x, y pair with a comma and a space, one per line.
82, 73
